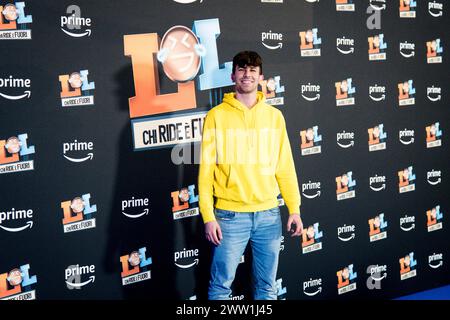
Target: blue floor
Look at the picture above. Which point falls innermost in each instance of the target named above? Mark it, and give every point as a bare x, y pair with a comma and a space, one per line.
441, 293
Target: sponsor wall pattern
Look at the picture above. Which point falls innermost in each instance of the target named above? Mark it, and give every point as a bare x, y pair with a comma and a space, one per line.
102, 105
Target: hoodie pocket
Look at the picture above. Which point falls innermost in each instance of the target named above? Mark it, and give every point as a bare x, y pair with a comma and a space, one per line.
231, 180
222, 173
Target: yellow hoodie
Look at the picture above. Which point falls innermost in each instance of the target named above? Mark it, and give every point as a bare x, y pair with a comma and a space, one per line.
246, 159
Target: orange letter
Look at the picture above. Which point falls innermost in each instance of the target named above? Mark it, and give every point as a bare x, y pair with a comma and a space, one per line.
303, 44
373, 230
65, 91
148, 100
68, 213
430, 137
125, 268
339, 186
402, 266
3, 158
305, 144
430, 220
305, 241
4, 287
6, 26
176, 202
340, 278
401, 95
371, 139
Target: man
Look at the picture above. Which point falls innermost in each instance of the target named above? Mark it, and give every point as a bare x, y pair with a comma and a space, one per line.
246, 160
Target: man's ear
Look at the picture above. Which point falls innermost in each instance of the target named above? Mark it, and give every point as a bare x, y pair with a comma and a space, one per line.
233, 78
261, 77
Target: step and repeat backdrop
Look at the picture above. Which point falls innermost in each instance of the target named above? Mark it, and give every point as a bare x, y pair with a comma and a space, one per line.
101, 110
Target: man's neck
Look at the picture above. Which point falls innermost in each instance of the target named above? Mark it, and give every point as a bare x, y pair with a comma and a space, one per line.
247, 99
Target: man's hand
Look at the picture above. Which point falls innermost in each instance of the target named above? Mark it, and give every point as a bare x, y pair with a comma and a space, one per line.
213, 232
295, 219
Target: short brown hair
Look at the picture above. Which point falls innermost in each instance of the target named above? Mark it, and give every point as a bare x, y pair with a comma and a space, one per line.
247, 58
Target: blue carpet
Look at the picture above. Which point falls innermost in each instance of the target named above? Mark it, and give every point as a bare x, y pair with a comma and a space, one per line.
441, 293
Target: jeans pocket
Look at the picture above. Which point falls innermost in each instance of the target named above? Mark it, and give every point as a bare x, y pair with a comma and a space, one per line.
224, 214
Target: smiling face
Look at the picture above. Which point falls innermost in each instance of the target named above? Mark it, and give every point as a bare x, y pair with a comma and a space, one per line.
433, 45
246, 79
345, 273
13, 145
433, 213
405, 87
406, 174
376, 222
376, 41
134, 259
376, 132
75, 80
344, 180
184, 195
309, 36
271, 84
310, 232
180, 54
77, 205
15, 277
433, 130
10, 12
310, 134
344, 86
407, 260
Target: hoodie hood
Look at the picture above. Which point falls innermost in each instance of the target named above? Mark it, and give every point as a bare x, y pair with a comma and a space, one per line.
248, 115
230, 99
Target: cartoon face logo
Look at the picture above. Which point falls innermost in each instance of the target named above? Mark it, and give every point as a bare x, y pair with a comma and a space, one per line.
405, 174
13, 145
376, 222
376, 132
407, 261
310, 134
310, 232
433, 130
77, 205
75, 80
309, 36
344, 180
433, 213
271, 84
180, 54
184, 195
433, 45
134, 258
10, 12
344, 86
345, 273
376, 41
15, 277
405, 87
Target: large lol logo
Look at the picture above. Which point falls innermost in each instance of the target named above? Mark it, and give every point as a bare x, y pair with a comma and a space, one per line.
183, 54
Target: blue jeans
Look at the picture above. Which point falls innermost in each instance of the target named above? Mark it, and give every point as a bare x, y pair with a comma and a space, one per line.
263, 229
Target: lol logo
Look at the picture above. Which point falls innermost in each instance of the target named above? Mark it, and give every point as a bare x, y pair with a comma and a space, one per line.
17, 284
14, 14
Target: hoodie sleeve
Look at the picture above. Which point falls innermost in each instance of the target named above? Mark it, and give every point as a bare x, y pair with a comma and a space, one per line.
206, 171
285, 173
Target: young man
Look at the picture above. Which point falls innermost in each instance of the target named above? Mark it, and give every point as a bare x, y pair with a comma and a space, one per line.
246, 160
